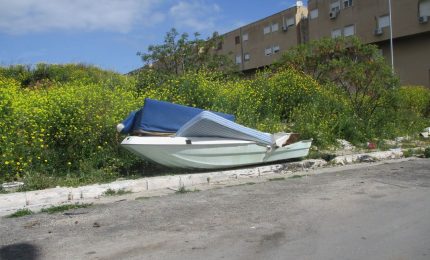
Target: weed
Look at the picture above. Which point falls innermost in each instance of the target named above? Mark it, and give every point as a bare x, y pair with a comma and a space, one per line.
295, 176
427, 152
277, 179
142, 198
408, 153
182, 189
321, 155
242, 184
61, 208
20, 213
112, 192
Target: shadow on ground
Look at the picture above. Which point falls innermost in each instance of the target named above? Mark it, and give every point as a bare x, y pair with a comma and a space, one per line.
19, 251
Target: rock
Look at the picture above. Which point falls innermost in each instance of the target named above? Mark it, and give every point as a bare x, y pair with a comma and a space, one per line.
307, 164
366, 158
426, 132
12, 186
401, 139
345, 144
390, 142
370, 157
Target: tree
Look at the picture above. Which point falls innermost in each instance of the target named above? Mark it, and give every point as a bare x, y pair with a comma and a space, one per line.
179, 54
356, 68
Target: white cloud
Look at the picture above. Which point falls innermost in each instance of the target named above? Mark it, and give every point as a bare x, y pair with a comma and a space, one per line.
22, 16
196, 15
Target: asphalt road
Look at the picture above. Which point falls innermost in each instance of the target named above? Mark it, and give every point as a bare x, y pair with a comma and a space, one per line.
375, 212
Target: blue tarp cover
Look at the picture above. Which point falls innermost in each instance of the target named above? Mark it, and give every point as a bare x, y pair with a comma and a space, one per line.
164, 117
207, 124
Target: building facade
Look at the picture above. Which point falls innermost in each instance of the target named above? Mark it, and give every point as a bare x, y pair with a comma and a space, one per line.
260, 43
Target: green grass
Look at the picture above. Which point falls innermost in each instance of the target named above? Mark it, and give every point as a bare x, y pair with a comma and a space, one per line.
147, 197
112, 192
61, 208
408, 153
182, 189
39, 181
20, 213
242, 184
277, 179
142, 198
295, 177
427, 152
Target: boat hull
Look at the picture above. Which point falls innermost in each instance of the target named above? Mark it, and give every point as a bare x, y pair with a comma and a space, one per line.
210, 153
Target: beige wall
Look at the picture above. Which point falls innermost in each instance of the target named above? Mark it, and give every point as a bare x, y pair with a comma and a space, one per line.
411, 59
364, 15
258, 41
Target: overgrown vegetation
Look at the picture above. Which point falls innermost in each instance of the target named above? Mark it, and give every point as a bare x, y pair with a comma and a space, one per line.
112, 192
277, 179
61, 208
182, 189
57, 122
20, 213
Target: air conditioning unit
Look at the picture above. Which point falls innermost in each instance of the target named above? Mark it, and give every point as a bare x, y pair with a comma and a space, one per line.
423, 19
378, 31
284, 28
333, 14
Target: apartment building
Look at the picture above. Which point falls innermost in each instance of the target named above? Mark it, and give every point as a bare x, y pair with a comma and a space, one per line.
260, 43
370, 21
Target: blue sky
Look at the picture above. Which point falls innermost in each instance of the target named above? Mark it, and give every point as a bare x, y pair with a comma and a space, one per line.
108, 33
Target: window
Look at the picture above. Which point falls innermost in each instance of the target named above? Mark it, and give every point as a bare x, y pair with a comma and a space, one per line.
335, 6
424, 8
276, 48
268, 51
314, 14
238, 59
336, 33
246, 57
275, 27
237, 39
347, 3
266, 29
349, 30
290, 22
383, 21
245, 37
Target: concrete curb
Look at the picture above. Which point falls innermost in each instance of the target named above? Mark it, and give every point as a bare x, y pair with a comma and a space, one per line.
36, 200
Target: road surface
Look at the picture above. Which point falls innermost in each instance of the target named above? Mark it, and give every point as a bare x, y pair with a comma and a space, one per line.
374, 212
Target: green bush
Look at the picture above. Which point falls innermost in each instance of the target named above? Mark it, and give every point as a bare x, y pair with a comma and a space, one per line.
63, 128
415, 99
60, 129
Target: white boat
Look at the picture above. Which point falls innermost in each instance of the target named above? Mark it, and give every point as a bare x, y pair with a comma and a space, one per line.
202, 139
210, 153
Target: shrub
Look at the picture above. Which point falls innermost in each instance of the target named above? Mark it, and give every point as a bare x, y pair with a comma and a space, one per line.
415, 99
63, 129
352, 66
